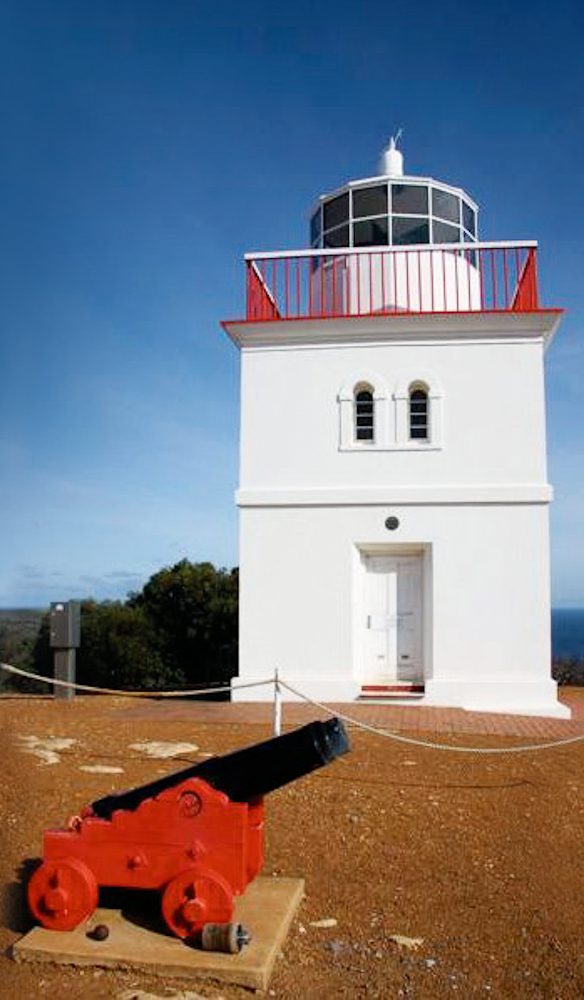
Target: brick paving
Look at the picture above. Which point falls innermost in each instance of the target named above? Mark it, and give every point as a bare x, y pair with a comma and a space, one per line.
401, 718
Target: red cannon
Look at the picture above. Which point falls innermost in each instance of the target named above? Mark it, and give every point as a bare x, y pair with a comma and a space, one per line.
196, 836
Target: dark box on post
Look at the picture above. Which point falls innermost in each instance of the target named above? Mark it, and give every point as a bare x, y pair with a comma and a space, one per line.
65, 624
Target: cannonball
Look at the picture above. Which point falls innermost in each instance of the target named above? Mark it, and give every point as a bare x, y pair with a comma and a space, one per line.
99, 933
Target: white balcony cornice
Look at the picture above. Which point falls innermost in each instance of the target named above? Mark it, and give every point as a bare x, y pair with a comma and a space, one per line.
470, 327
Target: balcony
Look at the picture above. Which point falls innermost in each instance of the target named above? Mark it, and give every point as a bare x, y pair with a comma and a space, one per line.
399, 280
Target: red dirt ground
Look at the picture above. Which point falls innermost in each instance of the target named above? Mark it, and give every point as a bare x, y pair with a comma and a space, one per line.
480, 856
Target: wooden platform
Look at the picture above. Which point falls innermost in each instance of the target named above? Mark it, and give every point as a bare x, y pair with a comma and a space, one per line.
267, 909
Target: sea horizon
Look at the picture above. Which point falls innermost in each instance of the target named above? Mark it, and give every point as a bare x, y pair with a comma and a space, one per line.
568, 633
567, 625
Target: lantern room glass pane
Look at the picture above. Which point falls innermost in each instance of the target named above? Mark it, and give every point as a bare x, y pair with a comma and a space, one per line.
336, 211
409, 199
372, 233
370, 201
469, 219
337, 237
406, 231
445, 205
443, 233
315, 226
470, 256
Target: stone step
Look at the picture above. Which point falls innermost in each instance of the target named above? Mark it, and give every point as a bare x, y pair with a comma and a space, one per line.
401, 687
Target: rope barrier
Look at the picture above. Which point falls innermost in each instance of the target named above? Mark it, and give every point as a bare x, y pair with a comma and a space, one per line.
130, 694
412, 741
279, 683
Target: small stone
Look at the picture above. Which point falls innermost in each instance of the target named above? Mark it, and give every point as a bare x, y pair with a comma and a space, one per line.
326, 922
162, 750
101, 769
412, 944
430, 963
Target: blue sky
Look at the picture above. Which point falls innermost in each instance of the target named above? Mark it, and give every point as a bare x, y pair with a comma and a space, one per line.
147, 145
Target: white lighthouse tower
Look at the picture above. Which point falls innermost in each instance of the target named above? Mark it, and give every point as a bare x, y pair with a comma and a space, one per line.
393, 485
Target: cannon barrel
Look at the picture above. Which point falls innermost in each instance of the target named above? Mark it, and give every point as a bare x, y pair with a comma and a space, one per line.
251, 772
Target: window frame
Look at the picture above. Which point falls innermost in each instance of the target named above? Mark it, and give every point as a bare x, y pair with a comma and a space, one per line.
370, 381
390, 411
408, 382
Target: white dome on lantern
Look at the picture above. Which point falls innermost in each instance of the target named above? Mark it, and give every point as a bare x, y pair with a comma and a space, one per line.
391, 163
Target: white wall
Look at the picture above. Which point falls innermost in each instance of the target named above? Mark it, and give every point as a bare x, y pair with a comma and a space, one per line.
488, 576
474, 502
492, 412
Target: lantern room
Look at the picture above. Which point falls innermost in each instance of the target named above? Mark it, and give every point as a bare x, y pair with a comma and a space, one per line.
391, 209
393, 243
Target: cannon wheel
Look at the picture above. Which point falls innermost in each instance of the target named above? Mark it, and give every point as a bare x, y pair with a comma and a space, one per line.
195, 898
61, 894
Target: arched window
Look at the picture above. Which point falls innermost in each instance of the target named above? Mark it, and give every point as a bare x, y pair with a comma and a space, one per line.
419, 415
364, 413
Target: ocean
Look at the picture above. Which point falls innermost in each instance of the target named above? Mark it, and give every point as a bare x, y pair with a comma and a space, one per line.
568, 632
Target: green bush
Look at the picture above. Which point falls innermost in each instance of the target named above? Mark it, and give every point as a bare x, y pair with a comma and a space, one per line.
193, 611
179, 631
568, 670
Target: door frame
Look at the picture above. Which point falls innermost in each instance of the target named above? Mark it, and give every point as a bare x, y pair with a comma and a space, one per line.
361, 551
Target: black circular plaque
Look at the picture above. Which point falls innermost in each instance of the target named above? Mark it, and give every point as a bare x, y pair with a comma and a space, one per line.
391, 523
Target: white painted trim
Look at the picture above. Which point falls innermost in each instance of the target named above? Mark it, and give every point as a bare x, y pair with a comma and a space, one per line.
390, 248
362, 551
363, 376
413, 445
346, 403
424, 375
384, 496
518, 695
392, 179
401, 397
272, 348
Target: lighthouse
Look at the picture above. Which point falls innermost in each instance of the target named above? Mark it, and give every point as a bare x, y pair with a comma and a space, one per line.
393, 493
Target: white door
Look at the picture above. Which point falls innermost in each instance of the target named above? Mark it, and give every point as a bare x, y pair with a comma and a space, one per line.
393, 619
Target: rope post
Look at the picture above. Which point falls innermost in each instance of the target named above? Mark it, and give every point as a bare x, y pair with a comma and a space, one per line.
277, 715
65, 671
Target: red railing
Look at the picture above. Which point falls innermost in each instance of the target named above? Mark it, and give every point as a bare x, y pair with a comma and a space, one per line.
478, 277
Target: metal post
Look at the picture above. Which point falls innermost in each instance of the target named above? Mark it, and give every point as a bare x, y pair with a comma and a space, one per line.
277, 716
65, 671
